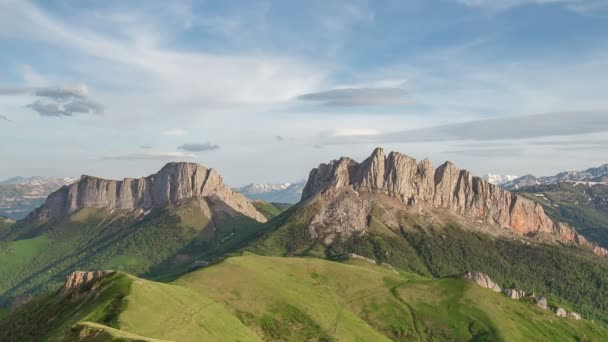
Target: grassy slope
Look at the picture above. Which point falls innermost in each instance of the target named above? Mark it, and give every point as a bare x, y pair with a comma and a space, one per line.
158, 244
573, 278
251, 297
269, 210
126, 307
343, 301
585, 208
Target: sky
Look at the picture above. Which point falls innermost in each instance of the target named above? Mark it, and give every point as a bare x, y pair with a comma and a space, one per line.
263, 91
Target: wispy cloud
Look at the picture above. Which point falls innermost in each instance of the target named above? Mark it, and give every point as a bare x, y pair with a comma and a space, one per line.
581, 6
175, 132
2, 117
191, 77
198, 147
153, 156
486, 152
353, 132
508, 128
357, 97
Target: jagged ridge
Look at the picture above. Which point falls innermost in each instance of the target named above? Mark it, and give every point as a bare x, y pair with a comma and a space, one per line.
173, 183
421, 185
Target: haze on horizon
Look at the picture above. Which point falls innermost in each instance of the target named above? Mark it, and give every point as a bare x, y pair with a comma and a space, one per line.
265, 90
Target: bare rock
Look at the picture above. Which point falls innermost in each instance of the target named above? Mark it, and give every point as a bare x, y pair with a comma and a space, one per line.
21, 301
7, 220
78, 278
561, 312
482, 280
419, 184
514, 293
168, 187
541, 302
573, 315
197, 264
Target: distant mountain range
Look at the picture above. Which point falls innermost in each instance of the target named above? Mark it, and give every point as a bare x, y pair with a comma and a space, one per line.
498, 179
274, 193
20, 195
592, 175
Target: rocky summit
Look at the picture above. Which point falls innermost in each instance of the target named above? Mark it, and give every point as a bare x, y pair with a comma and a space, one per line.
422, 186
168, 187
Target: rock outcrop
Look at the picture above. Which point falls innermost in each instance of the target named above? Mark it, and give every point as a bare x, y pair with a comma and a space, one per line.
573, 315
421, 185
172, 184
561, 312
6, 220
78, 278
482, 280
514, 293
541, 302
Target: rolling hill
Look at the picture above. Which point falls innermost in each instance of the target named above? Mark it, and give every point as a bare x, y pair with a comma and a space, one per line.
252, 298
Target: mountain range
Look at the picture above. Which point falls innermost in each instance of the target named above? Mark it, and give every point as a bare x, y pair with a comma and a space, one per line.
289, 193
373, 250
497, 179
591, 175
21, 195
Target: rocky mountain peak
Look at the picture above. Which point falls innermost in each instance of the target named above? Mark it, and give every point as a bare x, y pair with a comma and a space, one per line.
168, 187
420, 185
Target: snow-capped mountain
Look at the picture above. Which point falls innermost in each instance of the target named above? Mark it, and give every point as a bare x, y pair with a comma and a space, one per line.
592, 175
20, 195
498, 179
277, 193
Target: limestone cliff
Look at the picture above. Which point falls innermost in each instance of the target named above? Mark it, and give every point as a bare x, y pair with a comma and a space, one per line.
421, 185
172, 184
78, 278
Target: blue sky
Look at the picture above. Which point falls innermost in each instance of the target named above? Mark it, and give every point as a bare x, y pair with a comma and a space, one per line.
265, 90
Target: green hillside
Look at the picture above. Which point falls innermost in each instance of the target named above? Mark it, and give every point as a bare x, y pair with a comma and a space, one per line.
269, 210
5, 224
37, 257
584, 207
572, 277
251, 298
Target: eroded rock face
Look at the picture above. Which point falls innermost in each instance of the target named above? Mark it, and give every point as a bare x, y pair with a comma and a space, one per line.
421, 185
482, 280
172, 184
514, 293
78, 278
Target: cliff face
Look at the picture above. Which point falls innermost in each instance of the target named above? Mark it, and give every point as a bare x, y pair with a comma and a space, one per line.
173, 183
420, 184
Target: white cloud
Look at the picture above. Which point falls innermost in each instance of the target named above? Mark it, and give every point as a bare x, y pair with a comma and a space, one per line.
153, 156
353, 132
183, 76
580, 6
175, 132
